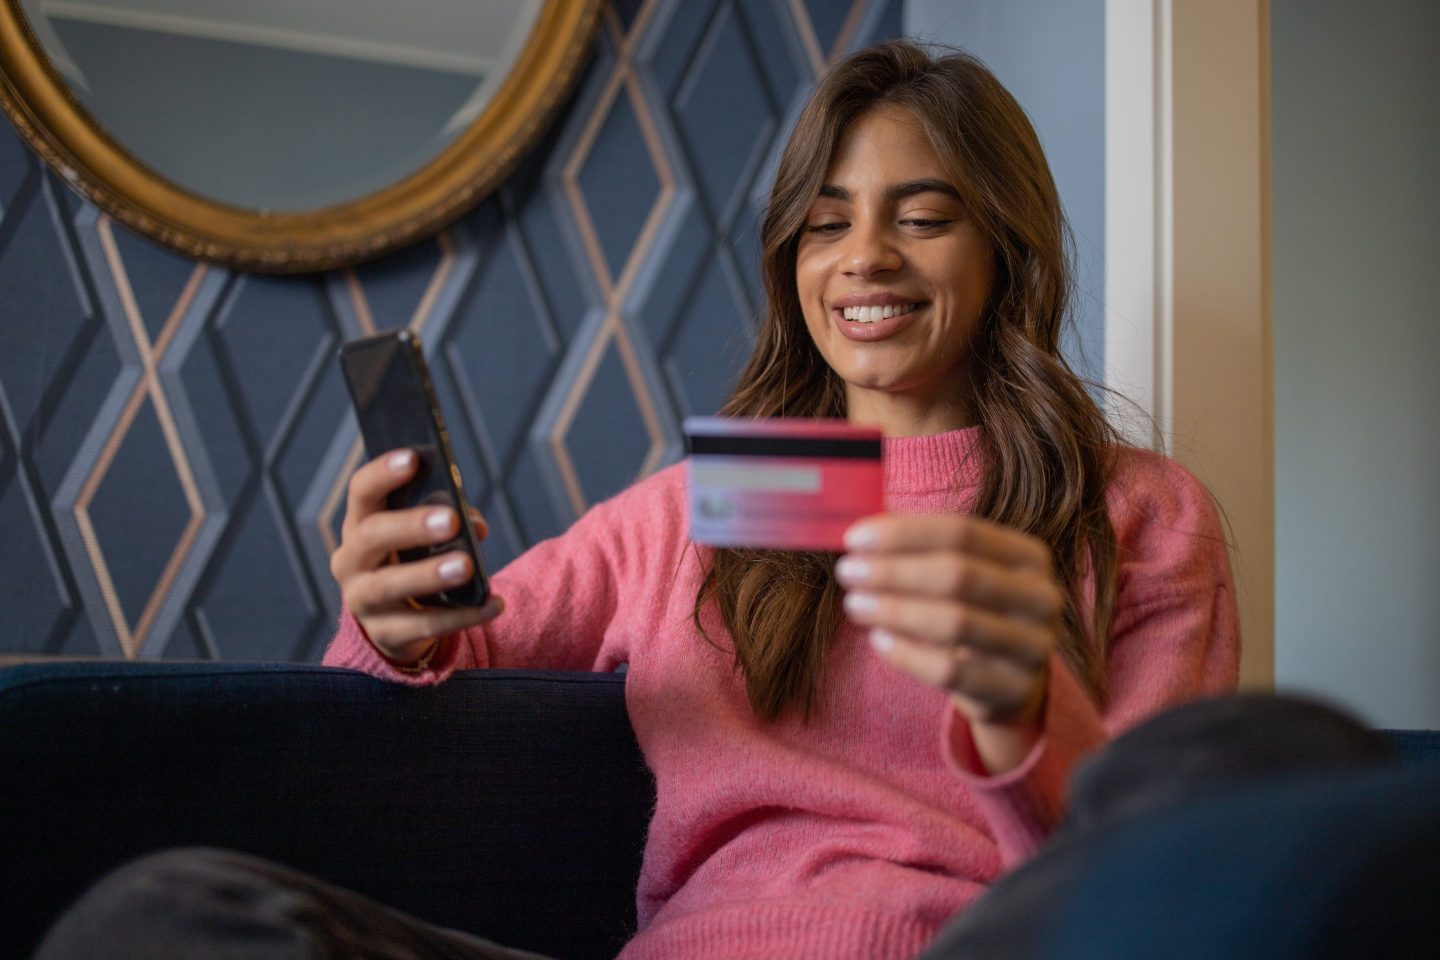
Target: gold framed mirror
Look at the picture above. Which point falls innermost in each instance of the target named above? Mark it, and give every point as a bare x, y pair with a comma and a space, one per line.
67, 66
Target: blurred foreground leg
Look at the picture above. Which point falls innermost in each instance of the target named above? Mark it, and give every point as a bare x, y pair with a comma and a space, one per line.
1244, 826
221, 905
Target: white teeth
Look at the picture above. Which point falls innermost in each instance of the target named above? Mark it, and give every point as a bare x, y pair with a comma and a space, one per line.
872, 314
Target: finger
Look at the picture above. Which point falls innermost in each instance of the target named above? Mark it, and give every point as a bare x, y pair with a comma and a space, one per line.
404, 634
890, 532
387, 588
377, 539
993, 687
947, 624
372, 483
958, 576
482, 529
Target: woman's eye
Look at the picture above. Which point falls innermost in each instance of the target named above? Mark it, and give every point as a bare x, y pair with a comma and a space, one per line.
825, 228
925, 223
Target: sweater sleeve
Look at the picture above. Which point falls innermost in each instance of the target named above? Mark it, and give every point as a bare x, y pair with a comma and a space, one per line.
1175, 637
565, 598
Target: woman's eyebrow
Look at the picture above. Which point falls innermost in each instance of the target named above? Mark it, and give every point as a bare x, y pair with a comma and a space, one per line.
911, 187
898, 191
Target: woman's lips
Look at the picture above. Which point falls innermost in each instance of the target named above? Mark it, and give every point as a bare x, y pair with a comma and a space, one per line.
862, 332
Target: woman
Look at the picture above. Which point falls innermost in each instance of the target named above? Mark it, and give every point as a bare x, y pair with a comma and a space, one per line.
798, 771
846, 754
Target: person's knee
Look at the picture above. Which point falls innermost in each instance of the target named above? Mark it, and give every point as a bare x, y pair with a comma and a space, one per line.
161, 881
163, 900
1193, 748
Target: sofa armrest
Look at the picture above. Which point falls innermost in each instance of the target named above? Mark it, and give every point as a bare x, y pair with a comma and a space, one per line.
512, 804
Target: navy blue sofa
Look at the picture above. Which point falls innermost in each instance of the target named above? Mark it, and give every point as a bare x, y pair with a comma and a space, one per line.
512, 804
509, 803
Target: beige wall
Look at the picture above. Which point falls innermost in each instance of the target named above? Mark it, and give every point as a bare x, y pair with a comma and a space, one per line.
1222, 406
1187, 263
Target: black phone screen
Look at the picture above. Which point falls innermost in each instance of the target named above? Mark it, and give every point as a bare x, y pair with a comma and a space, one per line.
395, 406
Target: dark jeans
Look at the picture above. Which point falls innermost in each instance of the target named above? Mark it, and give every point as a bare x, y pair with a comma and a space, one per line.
1246, 826
1111, 883
221, 905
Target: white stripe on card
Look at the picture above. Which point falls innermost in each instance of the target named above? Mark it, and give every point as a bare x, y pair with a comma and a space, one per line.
770, 479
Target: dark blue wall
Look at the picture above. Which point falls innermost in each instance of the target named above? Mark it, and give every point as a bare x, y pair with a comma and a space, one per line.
175, 439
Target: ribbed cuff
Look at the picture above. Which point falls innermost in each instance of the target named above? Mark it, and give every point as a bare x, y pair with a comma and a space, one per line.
352, 648
1023, 805
783, 931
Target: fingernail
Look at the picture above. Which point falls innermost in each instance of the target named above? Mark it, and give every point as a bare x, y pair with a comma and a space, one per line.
400, 462
852, 569
861, 602
861, 537
438, 521
453, 571
882, 640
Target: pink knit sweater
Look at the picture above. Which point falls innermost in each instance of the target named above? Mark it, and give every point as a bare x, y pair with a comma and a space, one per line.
860, 833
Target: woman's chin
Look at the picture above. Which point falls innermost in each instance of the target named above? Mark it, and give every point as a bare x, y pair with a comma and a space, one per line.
879, 385
907, 388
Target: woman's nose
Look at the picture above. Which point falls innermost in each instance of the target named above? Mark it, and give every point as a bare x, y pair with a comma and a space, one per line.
869, 250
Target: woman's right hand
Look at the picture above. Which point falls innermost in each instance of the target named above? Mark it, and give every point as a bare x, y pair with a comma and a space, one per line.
377, 591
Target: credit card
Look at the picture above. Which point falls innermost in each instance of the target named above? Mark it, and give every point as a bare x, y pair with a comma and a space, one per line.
780, 484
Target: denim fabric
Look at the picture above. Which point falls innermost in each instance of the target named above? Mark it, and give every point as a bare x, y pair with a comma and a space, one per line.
203, 904
1243, 826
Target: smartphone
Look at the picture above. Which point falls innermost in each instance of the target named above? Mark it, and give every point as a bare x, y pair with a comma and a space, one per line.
395, 404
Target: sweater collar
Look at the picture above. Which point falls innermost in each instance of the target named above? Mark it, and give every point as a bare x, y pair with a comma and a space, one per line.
928, 464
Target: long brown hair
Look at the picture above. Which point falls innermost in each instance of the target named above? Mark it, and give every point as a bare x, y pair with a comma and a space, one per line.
1046, 449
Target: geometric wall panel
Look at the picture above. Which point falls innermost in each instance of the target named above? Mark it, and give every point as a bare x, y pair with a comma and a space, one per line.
175, 438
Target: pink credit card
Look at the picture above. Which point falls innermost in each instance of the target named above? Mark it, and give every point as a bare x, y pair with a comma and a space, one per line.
780, 484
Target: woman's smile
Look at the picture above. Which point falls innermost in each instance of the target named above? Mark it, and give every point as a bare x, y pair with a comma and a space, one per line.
869, 322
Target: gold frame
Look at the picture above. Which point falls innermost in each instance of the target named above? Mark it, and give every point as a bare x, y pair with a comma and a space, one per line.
57, 128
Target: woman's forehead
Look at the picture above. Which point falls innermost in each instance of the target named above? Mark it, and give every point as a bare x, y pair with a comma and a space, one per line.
882, 148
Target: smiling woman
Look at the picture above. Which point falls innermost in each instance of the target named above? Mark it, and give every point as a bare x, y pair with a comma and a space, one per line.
847, 750
274, 136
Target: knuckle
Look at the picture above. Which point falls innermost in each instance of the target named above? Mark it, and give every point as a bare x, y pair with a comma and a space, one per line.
961, 624
959, 576
352, 597
337, 565
361, 481
360, 533
371, 534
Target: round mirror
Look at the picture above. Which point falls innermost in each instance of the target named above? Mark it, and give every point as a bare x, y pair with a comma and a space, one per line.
284, 136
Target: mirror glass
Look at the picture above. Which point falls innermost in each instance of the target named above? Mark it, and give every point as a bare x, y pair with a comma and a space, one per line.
283, 105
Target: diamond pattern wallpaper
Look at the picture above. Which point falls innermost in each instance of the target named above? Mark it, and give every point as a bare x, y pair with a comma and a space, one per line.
175, 439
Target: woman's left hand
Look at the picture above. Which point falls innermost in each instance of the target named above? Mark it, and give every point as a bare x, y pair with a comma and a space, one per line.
966, 605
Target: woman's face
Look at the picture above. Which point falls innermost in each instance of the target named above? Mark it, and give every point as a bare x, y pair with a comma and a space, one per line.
889, 235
